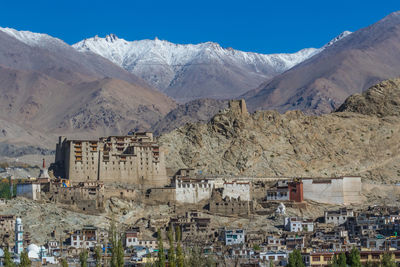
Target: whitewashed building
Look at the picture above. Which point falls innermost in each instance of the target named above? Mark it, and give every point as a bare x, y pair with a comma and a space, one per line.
338, 217
234, 237
298, 225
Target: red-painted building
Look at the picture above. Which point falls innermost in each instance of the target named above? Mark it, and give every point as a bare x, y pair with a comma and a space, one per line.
296, 191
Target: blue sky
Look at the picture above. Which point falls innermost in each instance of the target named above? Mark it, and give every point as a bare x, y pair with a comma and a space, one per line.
259, 26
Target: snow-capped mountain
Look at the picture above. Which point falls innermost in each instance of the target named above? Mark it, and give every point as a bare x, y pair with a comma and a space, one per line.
35, 39
192, 71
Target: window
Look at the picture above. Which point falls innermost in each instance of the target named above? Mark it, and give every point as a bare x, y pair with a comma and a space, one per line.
316, 258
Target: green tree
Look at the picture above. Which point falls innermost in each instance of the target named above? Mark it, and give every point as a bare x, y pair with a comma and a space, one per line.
113, 239
64, 262
387, 260
83, 257
334, 261
341, 262
148, 260
180, 257
161, 255
195, 257
25, 261
120, 253
295, 259
171, 250
7, 259
354, 259
97, 256
371, 264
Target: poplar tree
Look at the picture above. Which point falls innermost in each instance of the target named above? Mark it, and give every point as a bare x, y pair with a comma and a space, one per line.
171, 251
7, 259
334, 261
120, 253
341, 262
354, 258
97, 256
161, 255
295, 259
64, 262
387, 260
83, 256
117, 250
25, 261
180, 258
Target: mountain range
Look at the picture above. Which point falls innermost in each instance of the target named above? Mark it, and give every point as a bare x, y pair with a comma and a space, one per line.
351, 65
187, 72
104, 86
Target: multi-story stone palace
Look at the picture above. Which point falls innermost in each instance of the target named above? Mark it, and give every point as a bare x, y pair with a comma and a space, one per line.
132, 159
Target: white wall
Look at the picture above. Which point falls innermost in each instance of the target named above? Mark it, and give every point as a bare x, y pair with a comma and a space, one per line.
236, 190
344, 190
31, 191
193, 192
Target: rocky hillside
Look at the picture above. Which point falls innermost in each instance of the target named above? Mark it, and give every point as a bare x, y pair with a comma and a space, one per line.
267, 143
200, 110
380, 100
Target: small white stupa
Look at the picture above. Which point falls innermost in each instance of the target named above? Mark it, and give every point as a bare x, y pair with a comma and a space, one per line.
281, 209
43, 171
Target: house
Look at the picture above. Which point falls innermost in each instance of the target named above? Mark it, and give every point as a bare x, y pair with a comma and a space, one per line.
191, 224
338, 217
273, 256
85, 238
132, 237
234, 237
298, 225
275, 243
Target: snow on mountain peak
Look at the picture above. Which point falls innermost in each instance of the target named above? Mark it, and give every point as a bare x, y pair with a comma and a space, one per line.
140, 57
32, 38
111, 38
337, 38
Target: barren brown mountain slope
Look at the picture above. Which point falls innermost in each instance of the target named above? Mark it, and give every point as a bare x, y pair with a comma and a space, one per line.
267, 143
351, 65
45, 107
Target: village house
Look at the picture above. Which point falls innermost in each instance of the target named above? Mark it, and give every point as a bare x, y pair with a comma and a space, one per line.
273, 256
85, 238
192, 224
132, 237
275, 243
338, 217
234, 237
293, 224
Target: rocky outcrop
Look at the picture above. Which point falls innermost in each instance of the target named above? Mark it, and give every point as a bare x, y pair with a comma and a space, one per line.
201, 110
267, 143
380, 100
